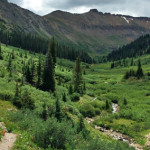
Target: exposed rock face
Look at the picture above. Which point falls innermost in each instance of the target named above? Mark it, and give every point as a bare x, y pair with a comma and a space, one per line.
99, 31
23, 19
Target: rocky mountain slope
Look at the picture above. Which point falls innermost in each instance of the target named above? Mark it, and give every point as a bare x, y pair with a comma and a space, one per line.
92, 30
97, 30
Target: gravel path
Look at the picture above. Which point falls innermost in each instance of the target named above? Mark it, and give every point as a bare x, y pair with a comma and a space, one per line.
8, 141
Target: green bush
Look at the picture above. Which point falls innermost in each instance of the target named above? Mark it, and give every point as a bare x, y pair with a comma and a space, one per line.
75, 97
87, 110
6, 95
1, 132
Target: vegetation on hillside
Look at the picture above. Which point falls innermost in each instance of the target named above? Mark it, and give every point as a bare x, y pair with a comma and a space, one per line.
134, 49
55, 116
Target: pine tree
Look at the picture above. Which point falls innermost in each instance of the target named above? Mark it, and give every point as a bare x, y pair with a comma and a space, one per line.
125, 101
77, 76
132, 63
28, 75
58, 111
13, 54
1, 57
9, 67
139, 72
53, 50
112, 65
107, 104
16, 100
126, 75
59, 81
32, 72
16, 90
49, 73
39, 73
70, 89
84, 86
44, 113
84, 72
64, 97
81, 124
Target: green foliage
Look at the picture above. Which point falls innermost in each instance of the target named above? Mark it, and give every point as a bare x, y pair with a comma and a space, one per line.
87, 110
77, 76
49, 73
139, 72
64, 97
1, 133
133, 49
75, 97
58, 113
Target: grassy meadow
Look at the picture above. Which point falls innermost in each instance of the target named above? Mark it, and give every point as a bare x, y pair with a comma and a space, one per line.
103, 85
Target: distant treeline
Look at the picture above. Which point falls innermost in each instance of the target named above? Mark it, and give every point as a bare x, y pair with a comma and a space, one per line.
38, 44
70, 53
136, 48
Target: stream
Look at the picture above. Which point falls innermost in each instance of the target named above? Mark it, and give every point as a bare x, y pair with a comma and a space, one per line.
114, 134
115, 108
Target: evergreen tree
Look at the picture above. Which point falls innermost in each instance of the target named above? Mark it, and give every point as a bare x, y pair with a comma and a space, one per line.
84, 72
9, 67
126, 75
32, 72
70, 89
16, 100
1, 57
84, 86
53, 50
39, 73
59, 81
49, 73
107, 104
112, 65
16, 90
77, 76
81, 124
58, 111
44, 113
28, 75
64, 97
125, 101
13, 54
132, 63
139, 72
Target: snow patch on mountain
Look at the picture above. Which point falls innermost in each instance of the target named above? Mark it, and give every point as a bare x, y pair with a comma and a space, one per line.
126, 19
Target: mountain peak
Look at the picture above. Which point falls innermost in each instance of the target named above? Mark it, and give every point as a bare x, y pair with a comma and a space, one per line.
94, 11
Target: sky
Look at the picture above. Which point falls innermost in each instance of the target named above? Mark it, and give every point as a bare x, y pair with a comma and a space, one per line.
134, 8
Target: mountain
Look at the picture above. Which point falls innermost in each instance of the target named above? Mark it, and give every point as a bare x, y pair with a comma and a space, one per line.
22, 19
99, 31
138, 47
93, 31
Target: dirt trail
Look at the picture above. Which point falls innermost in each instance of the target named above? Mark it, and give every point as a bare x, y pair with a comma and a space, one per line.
147, 144
8, 141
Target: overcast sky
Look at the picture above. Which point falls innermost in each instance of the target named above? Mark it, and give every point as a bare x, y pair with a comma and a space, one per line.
126, 7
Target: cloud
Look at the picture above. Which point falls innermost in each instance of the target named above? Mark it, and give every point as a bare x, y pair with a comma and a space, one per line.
126, 7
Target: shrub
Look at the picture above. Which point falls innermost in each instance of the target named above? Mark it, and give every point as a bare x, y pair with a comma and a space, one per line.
6, 95
1, 131
75, 97
87, 110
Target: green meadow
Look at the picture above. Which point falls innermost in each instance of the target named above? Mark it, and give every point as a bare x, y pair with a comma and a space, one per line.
104, 86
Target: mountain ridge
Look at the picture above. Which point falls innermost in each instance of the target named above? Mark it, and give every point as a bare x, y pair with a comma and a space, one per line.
93, 31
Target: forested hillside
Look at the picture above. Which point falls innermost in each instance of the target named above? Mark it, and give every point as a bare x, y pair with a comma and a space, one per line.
136, 48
